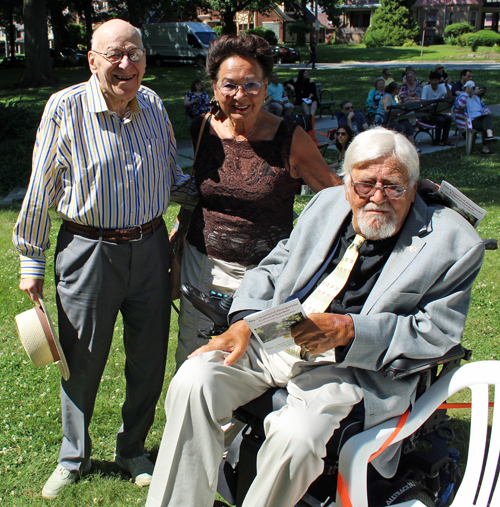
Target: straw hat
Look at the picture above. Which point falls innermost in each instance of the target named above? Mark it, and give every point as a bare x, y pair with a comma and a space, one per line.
39, 338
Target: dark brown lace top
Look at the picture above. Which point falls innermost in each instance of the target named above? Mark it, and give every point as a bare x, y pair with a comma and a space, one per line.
246, 195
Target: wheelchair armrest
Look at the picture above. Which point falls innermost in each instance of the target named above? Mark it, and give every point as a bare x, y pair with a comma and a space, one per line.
402, 366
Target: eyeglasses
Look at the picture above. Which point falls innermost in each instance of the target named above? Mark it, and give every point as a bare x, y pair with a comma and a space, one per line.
348, 108
341, 133
115, 55
250, 88
364, 189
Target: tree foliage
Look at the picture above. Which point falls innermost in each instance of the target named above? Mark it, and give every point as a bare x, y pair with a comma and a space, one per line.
392, 24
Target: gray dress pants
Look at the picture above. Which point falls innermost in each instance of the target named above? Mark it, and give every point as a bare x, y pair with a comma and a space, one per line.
95, 280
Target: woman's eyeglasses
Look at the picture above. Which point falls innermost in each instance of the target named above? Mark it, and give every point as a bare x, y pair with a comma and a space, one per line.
250, 88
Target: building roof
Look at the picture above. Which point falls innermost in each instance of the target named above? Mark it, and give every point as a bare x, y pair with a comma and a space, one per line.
448, 3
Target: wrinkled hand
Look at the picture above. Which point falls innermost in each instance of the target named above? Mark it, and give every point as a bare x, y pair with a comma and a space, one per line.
235, 341
323, 331
33, 287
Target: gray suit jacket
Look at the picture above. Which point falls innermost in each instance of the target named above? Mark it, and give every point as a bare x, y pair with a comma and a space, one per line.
417, 308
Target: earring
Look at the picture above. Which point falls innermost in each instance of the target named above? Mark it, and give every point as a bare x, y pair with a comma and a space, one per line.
216, 109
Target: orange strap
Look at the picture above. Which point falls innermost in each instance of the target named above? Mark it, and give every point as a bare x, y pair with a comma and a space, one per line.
393, 435
341, 487
460, 405
343, 494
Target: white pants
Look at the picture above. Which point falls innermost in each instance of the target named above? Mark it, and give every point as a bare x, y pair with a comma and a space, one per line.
206, 274
203, 395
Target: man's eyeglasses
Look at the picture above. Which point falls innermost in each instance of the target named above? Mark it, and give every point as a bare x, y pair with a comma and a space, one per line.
349, 108
250, 88
368, 189
115, 55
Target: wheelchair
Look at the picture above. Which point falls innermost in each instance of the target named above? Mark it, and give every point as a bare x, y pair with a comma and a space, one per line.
428, 468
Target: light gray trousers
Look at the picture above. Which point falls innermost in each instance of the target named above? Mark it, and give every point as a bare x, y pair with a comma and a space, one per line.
95, 280
201, 399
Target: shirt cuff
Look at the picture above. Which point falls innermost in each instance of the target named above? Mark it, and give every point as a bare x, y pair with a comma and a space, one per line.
32, 267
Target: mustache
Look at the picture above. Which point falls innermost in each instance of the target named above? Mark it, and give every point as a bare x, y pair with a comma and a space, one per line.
370, 206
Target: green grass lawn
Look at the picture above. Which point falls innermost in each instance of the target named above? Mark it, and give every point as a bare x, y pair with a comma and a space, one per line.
30, 419
338, 53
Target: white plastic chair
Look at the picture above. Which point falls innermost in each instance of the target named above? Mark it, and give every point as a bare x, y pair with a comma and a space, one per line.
478, 487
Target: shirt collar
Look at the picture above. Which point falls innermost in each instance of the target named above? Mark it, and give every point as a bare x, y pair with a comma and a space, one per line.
97, 102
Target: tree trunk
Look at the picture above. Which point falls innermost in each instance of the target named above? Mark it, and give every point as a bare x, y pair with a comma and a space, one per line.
88, 10
38, 69
59, 22
227, 19
12, 33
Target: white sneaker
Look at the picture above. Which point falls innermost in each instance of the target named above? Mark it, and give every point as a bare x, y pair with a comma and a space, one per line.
61, 478
140, 468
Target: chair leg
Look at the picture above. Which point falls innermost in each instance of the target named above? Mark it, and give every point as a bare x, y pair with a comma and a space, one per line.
470, 139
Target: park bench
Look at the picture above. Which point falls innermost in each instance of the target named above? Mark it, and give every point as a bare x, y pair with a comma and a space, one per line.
413, 111
326, 101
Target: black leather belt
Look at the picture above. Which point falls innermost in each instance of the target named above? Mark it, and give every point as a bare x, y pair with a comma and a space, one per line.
127, 235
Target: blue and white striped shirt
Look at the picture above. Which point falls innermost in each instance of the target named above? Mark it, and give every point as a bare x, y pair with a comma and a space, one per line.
98, 169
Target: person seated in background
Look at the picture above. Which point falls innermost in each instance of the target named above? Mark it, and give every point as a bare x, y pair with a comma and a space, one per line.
277, 101
374, 96
405, 72
354, 119
434, 91
458, 87
471, 113
443, 76
386, 76
412, 89
343, 139
406, 295
305, 91
196, 101
388, 100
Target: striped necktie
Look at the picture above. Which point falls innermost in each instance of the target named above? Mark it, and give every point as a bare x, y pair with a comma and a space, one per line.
330, 287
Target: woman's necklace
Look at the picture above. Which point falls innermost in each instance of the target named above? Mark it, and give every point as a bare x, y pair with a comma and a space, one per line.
233, 130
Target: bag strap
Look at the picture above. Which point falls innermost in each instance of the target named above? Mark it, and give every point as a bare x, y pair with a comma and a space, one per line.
200, 135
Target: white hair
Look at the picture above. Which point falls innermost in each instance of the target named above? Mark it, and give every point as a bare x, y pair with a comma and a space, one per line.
381, 143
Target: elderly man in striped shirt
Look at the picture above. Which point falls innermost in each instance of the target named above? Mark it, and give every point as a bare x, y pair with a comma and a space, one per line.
105, 159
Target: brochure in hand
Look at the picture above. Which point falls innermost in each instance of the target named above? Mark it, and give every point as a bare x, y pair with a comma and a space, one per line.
272, 326
457, 201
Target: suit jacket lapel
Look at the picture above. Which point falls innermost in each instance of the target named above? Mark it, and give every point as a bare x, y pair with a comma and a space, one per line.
405, 251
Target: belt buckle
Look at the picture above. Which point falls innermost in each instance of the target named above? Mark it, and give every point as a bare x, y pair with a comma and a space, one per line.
140, 236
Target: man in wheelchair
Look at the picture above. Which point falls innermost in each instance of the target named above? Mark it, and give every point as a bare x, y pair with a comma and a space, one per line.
407, 295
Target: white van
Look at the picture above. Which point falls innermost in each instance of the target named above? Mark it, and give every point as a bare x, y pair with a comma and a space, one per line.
177, 42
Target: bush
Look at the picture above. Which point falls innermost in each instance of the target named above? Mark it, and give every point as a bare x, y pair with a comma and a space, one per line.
472, 40
218, 30
496, 48
392, 25
268, 35
452, 41
483, 38
410, 44
18, 125
457, 29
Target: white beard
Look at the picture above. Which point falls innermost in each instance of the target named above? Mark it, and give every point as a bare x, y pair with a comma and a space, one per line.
377, 227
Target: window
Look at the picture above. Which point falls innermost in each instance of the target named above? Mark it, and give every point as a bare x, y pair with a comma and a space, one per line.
431, 19
473, 18
449, 21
